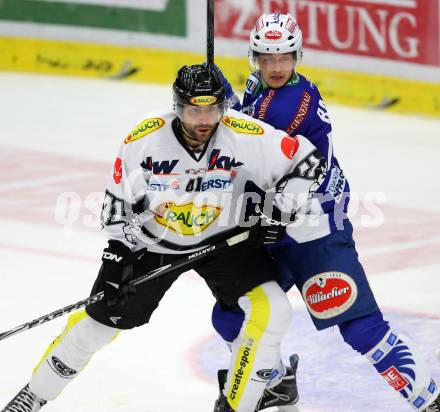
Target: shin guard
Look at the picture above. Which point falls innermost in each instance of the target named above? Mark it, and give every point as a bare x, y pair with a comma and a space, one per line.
256, 351
394, 356
400, 364
68, 354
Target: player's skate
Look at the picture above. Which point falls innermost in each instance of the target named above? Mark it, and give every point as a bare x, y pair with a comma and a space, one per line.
221, 404
24, 401
434, 407
284, 396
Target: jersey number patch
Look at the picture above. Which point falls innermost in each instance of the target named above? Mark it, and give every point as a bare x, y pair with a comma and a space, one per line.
322, 112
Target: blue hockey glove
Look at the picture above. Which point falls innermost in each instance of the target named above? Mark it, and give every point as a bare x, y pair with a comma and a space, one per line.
232, 98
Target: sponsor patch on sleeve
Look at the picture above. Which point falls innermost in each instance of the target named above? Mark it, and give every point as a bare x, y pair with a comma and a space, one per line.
144, 128
289, 146
117, 170
329, 294
252, 84
336, 183
242, 125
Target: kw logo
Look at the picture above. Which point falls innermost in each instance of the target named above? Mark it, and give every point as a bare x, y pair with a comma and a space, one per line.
242, 125
141, 130
186, 219
221, 162
159, 168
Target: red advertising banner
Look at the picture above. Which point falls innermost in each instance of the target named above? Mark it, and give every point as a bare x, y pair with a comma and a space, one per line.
399, 30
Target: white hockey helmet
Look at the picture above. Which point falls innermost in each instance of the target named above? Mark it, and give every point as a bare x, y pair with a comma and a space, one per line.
275, 34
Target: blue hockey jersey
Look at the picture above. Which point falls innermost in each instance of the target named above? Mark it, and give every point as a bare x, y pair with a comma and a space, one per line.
298, 108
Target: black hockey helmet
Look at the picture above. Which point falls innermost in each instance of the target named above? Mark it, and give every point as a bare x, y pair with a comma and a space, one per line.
199, 85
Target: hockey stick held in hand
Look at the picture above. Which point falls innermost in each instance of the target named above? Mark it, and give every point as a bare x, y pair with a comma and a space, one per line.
183, 263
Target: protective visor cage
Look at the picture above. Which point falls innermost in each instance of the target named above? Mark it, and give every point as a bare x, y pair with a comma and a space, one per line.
275, 34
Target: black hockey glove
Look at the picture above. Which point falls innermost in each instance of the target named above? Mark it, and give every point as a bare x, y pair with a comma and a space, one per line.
267, 230
116, 273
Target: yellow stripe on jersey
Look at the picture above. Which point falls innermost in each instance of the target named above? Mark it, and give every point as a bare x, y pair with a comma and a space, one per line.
255, 327
73, 320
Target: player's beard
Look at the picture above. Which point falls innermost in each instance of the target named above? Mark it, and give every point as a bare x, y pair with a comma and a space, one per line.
197, 135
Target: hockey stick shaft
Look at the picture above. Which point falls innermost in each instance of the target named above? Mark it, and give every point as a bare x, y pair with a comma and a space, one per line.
183, 263
210, 33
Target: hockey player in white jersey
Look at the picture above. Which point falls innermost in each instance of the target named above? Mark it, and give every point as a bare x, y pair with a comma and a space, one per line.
188, 171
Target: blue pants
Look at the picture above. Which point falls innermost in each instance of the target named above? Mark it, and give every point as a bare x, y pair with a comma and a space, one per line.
335, 290
329, 276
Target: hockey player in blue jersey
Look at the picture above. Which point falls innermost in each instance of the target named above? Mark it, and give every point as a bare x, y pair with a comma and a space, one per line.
317, 253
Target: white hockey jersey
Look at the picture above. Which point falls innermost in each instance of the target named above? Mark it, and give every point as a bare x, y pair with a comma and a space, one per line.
189, 198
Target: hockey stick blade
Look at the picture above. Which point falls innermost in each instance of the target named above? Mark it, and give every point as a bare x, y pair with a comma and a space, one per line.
185, 262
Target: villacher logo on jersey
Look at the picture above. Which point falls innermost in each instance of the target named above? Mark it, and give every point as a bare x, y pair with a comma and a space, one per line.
329, 294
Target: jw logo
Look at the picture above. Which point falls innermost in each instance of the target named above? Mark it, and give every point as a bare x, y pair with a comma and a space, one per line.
222, 162
164, 167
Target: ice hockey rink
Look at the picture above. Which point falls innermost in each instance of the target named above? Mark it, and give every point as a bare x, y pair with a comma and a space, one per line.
59, 137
